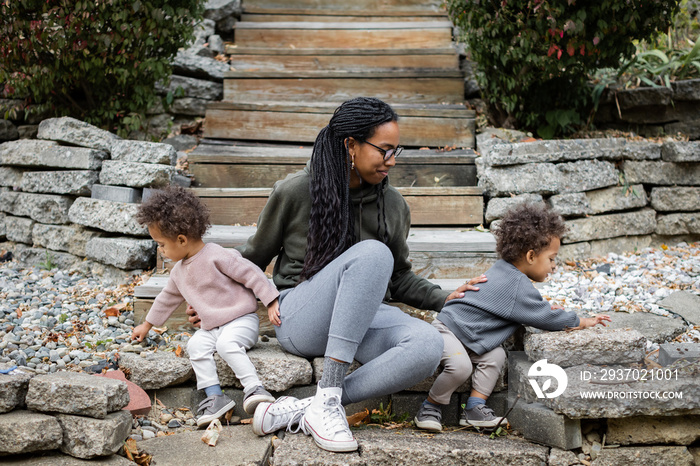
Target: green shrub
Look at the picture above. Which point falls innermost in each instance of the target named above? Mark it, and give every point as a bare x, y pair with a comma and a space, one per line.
534, 56
96, 60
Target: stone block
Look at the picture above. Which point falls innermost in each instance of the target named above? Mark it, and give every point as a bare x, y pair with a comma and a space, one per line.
3, 230
617, 198
191, 87
73, 182
217, 10
546, 178
85, 437
116, 217
11, 177
13, 388
588, 346
559, 457
189, 106
680, 151
205, 29
26, 432
8, 131
182, 142
647, 430
662, 173
44, 208
199, 67
116, 193
644, 96
553, 151
277, 369
136, 175
540, 424
687, 89
37, 153
658, 329
143, 152
640, 222
498, 207
56, 458
18, 229
76, 132
123, 253
675, 199
38, 257
76, 393
570, 204
645, 456
672, 352
69, 238
678, 224
685, 304
28, 131
405, 405
601, 248
636, 150
156, 370
518, 382
689, 128
139, 401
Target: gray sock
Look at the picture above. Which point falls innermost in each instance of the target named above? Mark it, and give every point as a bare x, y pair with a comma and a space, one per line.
333, 373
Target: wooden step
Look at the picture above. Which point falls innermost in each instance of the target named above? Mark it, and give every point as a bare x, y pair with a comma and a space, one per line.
421, 125
306, 59
366, 35
425, 86
342, 16
429, 206
223, 165
395, 7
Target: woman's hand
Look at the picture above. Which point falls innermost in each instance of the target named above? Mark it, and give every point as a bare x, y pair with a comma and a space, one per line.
468, 286
273, 313
193, 317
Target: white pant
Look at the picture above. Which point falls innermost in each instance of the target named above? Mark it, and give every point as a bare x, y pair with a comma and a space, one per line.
231, 342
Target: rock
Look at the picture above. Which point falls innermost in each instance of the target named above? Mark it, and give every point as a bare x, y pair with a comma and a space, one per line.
685, 304
116, 193
13, 389
23, 152
216, 44
570, 204
640, 222
546, 178
11, 177
25, 432
277, 369
76, 393
680, 151
200, 48
182, 142
40, 257
498, 207
199, 67
75, 183
85, 437
44, 208
189, 106
675, 199
602, 248
558, 457
647, 430
672, 352
183, 86
55, 458
588, 346
655, 328
123, 253
116, 217
18, 228
79, 133
227, 25
143, 152
540, 424
204, 29
136, 175
688, 127
688, 89
489, 136
678, 224
216, 10
645, 456
553, 151
662, 173
156, 370
33, 153
8, 131
617, 198
69, 238
644, 96
646, 150
28, 131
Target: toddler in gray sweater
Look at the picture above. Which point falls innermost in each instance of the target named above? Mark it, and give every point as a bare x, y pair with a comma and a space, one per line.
474, 327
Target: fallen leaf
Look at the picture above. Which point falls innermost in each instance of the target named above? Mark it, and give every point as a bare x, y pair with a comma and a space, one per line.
211, 435
143, 459
358, 418
159, 330
19, 313
114, 310
247, 421
529, 140
664, 247
178, 351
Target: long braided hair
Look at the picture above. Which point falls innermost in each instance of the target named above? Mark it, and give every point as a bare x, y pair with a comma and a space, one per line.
332, 221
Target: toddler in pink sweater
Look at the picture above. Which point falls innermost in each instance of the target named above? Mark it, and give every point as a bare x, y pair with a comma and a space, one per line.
221, 285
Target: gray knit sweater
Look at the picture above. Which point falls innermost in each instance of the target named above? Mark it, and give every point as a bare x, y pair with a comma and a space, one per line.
484, 319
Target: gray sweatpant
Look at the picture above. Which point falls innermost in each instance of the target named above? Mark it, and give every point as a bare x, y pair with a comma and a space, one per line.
458, 363
339, 313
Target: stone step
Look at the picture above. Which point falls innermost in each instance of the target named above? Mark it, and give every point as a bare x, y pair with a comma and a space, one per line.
221, 164
448, 206
305, 59
420, 86
431, 125
379, 35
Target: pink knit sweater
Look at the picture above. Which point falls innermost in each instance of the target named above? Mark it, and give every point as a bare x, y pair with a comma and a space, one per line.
218, 283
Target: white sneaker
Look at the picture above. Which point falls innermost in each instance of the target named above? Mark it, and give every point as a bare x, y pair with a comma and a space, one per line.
283, 413
325, 421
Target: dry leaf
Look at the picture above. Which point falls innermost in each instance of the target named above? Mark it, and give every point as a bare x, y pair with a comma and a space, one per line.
114, 310
529, 140
159, 330
247, 421
143, 460
178, 351
358, 418
19, 313
211, 435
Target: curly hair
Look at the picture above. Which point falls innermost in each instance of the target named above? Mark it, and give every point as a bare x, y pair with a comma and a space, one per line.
176, 211
332, 221
527, 227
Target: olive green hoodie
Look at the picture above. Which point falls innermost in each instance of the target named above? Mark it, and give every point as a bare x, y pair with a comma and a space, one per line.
283, 228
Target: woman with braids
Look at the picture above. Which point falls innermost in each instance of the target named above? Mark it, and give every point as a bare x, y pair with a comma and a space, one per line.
339, 232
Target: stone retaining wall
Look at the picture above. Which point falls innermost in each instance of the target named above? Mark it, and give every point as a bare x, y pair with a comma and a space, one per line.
616, 195
69, 197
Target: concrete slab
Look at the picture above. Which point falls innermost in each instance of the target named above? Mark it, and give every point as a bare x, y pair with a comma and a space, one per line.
59, 459
685, 304
540, 424
649, 430
658, 329
237, 445
672, 352
116, 193
644, 456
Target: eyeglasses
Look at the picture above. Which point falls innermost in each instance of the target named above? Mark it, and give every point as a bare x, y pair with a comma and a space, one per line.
387, 153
